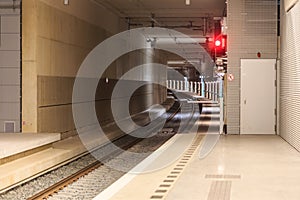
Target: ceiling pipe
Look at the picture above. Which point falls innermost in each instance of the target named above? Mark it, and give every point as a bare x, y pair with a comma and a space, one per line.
170, 17
183, 26
145, 22
153, 20
171, 26
111, 8
202, 28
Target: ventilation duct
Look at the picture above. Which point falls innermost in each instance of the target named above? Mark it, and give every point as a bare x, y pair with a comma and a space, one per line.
9, 127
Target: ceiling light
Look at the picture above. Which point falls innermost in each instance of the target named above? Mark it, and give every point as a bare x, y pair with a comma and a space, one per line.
66, 2
176, 62
187, 2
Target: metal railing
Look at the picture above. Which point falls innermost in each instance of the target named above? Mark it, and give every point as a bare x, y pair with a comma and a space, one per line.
211, 90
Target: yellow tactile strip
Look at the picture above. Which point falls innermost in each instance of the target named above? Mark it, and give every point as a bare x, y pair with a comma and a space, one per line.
220, 188
167, 183
222, 176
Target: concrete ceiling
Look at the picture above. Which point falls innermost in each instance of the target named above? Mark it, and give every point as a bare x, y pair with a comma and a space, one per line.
196, 20
167, 8
190, 19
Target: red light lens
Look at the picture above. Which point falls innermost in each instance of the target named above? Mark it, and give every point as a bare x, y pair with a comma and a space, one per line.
218, 43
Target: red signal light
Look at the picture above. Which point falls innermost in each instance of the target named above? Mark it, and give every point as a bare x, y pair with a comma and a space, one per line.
218, 43
219, 46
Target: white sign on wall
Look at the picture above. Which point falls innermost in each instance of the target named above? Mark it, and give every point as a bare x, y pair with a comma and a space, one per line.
230, 77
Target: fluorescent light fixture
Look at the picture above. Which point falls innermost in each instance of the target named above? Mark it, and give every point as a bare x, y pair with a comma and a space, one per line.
176, 62
194, 61
183, 62
187, 2
217, 18
181, 40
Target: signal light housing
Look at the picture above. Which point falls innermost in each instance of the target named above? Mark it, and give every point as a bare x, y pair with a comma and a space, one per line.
219, 46
220, 42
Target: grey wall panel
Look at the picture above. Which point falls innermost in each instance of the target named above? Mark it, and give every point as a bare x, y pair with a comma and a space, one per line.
9, 111
8, 24
290, 77
1, 125
10, 67
10, 76
5, 12
252, 28
10, 42
10, 59
10, 94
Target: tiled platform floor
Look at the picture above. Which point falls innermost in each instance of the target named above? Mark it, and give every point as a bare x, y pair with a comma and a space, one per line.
247, 167
239, 167
260, 167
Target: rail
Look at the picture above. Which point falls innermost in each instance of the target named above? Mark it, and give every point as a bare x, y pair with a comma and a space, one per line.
83, 172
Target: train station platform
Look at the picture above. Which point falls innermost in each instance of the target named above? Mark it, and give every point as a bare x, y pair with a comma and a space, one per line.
24, 156
216, 167
34, 154
23, 142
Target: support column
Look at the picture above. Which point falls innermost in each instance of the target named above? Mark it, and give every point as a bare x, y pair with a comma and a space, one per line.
29, 66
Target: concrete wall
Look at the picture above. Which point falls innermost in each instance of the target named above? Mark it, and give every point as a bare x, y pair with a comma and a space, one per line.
252, 28
56, 39
10, 69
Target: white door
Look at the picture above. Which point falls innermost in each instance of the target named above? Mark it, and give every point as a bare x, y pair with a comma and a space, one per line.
258, 96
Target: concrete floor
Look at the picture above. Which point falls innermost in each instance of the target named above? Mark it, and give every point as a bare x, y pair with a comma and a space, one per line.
239, 168
252, 167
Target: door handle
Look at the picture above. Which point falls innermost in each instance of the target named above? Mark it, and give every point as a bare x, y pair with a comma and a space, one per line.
245, 101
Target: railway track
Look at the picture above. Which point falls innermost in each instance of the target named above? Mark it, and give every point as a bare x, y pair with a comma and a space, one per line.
55, 188
83, 173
